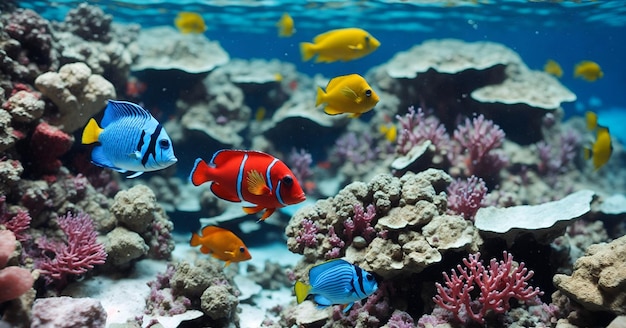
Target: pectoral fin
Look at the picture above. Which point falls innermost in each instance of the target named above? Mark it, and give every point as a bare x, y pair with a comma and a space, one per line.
256, 184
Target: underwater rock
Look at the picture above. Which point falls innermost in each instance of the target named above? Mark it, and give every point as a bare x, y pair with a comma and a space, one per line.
410, 228
133, 208
545, 221
77, 93
7, 137
89, 22
164, 48
24, 106
123, 246
598, 282
66, 312
10, 172
218, 302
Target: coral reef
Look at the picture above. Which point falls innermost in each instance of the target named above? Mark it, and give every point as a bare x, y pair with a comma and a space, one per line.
68, 312
598, 280
14, 280
77, 93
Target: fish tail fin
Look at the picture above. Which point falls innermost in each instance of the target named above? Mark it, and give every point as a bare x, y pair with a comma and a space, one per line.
320, 96
195, 239
307, 50
200, 173
587, 153
91, 132
302, 291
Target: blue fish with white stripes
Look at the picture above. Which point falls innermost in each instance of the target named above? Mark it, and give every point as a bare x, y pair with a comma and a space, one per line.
336, 282
130, 139
249, 176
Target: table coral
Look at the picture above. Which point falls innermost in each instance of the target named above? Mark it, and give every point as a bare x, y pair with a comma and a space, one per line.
77, 93
599, 279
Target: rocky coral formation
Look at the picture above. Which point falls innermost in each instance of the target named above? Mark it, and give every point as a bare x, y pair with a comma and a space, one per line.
164, 48
495, 76
77, 93
599, 279
409, 227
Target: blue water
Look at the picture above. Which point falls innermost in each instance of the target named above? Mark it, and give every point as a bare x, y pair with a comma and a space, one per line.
566, 31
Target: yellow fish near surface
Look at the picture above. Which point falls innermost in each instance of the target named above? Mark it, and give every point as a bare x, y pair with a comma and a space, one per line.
601, 150
342, 44
592, 120
389, 131
553, 68
588, 70
347, 94
222, 244
285, 26
188, 22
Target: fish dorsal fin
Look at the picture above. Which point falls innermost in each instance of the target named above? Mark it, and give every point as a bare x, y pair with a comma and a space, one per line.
335, 82
323, 36
118, 109
321, 268
209, 230
256, 183
223, 156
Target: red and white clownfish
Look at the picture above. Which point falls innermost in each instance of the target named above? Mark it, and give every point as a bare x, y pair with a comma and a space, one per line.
250, 176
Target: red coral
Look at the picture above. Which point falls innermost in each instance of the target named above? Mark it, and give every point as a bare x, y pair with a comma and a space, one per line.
495, 285
480, 139
466, 197
77, 255
47, 144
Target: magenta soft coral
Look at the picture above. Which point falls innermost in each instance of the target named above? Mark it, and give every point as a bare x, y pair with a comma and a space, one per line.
75, 256
495, 285
465, 197
479, 139
361, 223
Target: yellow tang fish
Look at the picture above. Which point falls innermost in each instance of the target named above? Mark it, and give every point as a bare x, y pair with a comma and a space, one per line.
347, 94
188, 22
553, 68
588, 70
601, 150
389, 131
342, 44
285, 26
592, 120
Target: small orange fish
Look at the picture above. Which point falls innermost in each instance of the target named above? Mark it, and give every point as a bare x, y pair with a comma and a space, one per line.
222, 244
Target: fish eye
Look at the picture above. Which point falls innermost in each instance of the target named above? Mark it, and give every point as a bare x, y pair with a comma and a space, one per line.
369, 277
368, 92
242, 249
164, 143
288, 180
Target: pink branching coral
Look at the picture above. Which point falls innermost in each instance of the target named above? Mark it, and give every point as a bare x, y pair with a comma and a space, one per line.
336, 242
74, 256
416, 128
495, 286
308, 235
465, 197
361, 223
18, 223
557, 159
479, 139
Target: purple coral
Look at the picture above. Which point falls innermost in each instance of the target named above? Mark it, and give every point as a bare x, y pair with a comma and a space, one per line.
480, 140
307, 236
161, 300
336, 243
416, 128
76, 255
465, 197
361, 223
356, 149
555, 159
300, 164
495, 285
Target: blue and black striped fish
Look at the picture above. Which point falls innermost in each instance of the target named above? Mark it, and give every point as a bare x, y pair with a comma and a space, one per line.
336, 282
130, 139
